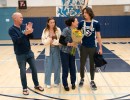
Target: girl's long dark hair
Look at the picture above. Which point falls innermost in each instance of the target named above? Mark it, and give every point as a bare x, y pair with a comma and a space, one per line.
48, 27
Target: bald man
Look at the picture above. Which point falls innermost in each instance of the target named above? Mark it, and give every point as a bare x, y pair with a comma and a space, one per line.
20, 35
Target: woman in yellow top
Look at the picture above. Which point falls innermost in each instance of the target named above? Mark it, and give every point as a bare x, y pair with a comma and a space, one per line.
50, 39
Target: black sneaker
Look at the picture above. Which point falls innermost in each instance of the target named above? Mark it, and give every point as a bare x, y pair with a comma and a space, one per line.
93, 85
81, 83
73, 86
66, 88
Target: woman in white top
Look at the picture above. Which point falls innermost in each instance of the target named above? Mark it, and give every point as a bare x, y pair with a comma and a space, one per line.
50, 39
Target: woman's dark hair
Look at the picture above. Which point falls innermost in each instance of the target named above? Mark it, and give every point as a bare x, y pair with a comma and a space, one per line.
89, 11
69, 21
48, 27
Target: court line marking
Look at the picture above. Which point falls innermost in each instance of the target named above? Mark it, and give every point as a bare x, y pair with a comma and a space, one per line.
44, 54
111, 88
106, 82
77, 73
78, 81
83, 94
44, 58
20, 97
60, 80
120, 97
6, 59
45, 95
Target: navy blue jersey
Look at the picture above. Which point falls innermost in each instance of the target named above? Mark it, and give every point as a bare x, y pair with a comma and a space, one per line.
89, 30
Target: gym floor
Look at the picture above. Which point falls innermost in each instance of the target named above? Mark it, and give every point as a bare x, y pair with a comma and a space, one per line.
112, 83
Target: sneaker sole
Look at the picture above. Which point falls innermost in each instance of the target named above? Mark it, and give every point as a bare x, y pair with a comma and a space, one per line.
80, 85
93, 88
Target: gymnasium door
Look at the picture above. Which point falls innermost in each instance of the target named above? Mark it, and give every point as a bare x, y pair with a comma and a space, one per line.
5, 22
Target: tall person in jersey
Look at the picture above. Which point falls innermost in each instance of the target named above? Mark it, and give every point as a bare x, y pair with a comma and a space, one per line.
20, 35
91, 32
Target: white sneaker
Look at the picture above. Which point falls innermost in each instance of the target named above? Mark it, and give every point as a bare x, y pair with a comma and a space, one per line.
56, 85
48, 86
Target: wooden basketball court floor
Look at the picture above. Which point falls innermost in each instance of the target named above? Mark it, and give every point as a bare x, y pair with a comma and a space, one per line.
113, 83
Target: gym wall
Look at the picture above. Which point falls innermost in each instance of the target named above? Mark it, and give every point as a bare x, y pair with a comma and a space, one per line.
113, 15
